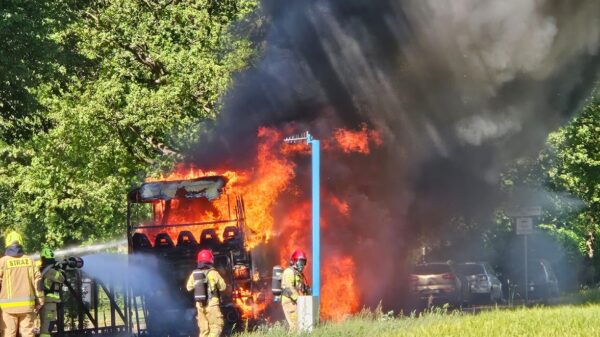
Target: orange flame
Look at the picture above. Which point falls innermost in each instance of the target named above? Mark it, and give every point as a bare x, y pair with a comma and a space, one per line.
341, 206
295, 232
262, 185
357, 141
340, 291
251, 304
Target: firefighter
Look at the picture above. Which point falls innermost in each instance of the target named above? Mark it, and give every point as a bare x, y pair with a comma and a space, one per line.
210, 318
293, 284
52, 278
21, 295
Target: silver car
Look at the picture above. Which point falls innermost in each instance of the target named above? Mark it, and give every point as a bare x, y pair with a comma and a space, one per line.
484, 284
438, 283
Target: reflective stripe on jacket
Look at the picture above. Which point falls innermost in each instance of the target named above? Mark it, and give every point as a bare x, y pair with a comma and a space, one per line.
21, 284
216, 284
53, 279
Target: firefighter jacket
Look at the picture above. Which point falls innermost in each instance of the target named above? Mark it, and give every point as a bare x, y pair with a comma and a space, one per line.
53, 280
293, 284
216, 284
20, 281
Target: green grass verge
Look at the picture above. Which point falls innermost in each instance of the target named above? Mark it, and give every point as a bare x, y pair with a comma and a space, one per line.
568, 321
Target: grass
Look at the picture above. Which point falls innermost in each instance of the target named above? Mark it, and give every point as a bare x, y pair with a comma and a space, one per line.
582, 319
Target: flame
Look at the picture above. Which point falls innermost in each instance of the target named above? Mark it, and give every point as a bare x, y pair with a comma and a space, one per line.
260, 187
301, 148
251, 304
296, 231
263, 185
357, 141
341, 206
273, 175
339, 291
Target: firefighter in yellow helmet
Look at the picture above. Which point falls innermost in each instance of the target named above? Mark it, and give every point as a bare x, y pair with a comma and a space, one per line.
21, 294
207, 284
293, 284
53, 279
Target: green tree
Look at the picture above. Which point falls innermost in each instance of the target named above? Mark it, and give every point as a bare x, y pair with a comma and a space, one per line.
31, 54
154, 70
571, 164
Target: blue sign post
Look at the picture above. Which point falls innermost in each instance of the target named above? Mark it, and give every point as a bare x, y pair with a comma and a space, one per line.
316, 213
316, 206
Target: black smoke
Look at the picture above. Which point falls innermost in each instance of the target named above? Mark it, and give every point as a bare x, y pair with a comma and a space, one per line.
458, 89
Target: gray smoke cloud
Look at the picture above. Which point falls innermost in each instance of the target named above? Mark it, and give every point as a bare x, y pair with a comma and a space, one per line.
457, 88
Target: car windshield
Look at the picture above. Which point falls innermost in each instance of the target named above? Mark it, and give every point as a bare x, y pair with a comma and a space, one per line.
431, 268
471, 269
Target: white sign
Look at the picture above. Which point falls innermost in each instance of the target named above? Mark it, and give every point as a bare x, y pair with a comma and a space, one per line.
524, 211
524, 226
308, 312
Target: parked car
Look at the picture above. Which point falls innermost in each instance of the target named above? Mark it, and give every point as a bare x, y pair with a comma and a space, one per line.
438, 283
542, 282
484, 284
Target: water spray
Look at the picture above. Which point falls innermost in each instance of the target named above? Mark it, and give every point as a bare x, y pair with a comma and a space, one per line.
83, 250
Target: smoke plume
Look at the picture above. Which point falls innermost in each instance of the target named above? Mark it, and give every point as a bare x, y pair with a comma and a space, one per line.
456, 88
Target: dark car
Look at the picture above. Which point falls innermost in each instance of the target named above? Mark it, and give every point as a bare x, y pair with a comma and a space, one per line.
484, 283
438, 283
542, 282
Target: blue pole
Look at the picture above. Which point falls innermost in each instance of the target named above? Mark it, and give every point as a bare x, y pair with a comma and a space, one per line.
316, 216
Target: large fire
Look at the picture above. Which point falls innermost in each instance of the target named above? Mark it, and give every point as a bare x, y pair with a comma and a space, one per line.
263, 187
260, 186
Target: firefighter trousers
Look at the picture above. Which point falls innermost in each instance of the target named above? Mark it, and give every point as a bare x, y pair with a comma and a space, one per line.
48, 317
23, 323
291, 315
210, 320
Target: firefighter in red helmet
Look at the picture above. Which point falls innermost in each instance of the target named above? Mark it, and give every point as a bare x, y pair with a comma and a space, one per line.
293, 284
207, 284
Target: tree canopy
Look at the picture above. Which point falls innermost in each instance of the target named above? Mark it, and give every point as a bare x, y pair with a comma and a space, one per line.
97, 94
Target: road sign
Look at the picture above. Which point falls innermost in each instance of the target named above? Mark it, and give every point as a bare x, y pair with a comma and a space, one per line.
524, 211
524, 226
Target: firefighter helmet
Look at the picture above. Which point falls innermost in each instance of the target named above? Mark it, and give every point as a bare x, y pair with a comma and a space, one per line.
206, 256
13, 237
298, 254
46, 253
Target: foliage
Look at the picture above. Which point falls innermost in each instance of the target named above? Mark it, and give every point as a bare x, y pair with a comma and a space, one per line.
31, 56
584, 296
151, 72
571, 164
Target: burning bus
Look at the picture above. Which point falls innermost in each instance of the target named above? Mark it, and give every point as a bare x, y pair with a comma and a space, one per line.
172, 220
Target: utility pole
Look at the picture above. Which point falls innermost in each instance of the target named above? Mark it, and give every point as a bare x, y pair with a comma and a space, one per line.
309, 306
